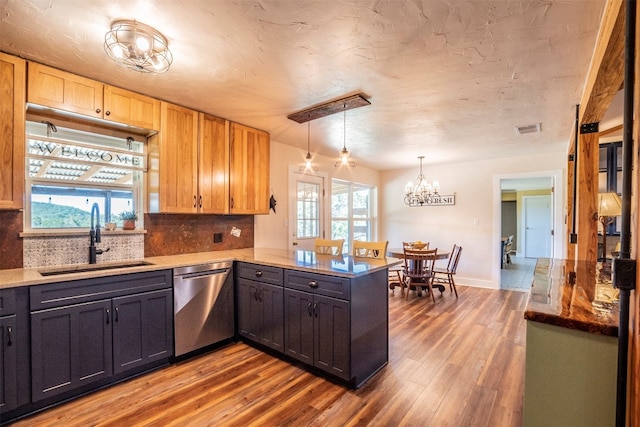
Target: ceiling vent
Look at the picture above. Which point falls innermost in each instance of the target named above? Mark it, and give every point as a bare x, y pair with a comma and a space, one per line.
534, 128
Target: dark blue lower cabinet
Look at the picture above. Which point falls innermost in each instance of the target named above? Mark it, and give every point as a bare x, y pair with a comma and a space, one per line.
8, 364
70, 347
317, 331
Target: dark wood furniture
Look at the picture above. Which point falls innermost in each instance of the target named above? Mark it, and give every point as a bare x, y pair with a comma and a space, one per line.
446, 275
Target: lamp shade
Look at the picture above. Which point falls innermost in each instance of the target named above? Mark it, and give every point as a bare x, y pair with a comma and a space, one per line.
609, 204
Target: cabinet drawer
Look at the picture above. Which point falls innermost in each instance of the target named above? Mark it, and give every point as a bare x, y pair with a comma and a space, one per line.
260, 273
7, 302
85, 290
320, 284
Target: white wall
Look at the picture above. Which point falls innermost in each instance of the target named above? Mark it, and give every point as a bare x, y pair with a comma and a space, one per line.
473, 222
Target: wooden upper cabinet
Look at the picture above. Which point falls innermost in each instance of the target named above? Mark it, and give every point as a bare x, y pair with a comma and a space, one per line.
249, 170
176, 186
204, 164
64, 91
12, 117
213, 165
124, 106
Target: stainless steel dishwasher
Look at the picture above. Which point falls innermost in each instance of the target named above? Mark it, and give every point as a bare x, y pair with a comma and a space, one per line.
203, 306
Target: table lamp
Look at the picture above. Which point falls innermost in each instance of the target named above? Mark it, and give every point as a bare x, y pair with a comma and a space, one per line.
609, 207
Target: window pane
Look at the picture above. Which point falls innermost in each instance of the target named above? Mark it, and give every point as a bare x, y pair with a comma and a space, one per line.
308, 210
340, 230
68, 207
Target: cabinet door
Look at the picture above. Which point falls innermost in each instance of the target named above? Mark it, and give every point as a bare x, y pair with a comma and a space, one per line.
128, 107
142, 329
272, 306
178, 160
213, 170
331, 335
12, 111
8, 364
249, 171
65, 91
70, 347
298, 325
249, 309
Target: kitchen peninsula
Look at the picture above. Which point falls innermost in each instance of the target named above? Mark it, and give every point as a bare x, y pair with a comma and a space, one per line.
330, 313
571, 352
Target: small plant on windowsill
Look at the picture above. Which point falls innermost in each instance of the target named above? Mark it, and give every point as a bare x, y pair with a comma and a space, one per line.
129, 219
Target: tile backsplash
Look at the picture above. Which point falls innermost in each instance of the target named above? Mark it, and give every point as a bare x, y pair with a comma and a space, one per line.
62, 250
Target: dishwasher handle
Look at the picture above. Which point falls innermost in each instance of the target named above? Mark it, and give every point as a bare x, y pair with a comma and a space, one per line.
204, 273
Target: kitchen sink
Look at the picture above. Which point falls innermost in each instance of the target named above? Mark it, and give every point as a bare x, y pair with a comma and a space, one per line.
92, 267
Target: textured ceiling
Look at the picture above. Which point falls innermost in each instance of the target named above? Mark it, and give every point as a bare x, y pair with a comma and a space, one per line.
446, 79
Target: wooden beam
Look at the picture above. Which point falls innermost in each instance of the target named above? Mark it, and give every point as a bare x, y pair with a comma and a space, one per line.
587, 196
606, 72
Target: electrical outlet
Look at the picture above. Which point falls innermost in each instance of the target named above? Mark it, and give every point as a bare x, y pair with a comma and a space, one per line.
217, 237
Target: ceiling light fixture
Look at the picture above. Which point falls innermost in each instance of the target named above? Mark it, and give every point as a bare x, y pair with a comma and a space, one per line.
328, 108
422, 193
308, 162
344, 154
138, 47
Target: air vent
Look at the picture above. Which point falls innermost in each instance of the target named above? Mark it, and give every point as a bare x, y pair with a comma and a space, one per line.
534, 128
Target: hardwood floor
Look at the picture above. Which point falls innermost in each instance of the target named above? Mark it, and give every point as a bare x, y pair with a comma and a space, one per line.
453, 363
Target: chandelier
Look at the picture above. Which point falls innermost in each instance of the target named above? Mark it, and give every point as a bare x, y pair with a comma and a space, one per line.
422, 193
138, 47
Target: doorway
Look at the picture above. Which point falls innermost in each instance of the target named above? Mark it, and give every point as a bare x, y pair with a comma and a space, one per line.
525, 206
307, 212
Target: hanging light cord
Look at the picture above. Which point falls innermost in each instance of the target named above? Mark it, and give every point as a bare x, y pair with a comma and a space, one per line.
344, 128
308, 137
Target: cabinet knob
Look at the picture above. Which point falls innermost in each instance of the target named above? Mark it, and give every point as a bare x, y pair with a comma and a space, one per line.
309, 309
98, 110
108, 113
259, 273
108, 315
200, 201
313, 284
9, 342
194, 201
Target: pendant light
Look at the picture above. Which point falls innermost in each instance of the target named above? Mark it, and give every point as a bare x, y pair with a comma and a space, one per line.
344, 154
308, 163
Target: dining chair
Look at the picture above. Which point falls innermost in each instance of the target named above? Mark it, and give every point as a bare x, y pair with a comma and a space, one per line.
330, 247
418, 269
445, 275
370, 249
507, 250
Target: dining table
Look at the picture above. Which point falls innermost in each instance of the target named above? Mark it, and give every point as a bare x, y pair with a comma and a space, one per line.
399, 253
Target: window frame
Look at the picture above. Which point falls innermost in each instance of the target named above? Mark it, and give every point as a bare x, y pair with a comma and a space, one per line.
69, 133
370, 218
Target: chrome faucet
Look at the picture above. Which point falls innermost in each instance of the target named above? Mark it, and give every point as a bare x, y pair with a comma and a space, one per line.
94, 234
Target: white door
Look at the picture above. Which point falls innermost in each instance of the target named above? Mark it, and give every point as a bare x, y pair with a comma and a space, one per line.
537, 226
306, 214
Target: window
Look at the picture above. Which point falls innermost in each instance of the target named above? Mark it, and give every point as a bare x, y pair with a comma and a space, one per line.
70, 170
308, 209
610, 175
352, 212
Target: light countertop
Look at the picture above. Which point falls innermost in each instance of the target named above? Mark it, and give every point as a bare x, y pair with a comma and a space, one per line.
344, 266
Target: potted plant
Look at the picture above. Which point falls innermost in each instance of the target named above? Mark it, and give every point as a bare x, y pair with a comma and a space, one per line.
128, 219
